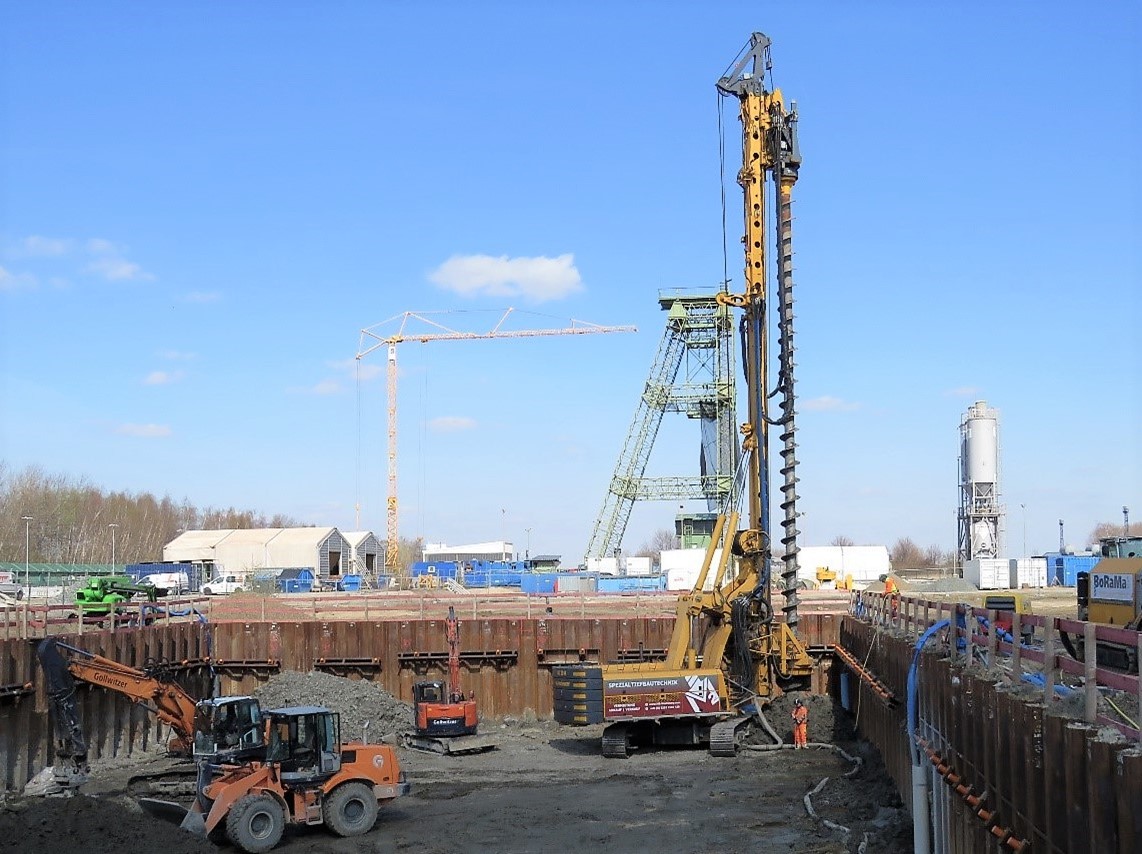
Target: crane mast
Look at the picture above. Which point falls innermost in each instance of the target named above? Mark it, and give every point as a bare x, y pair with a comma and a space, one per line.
770, 157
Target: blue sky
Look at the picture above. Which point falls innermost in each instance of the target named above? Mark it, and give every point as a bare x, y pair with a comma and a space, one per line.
202, 204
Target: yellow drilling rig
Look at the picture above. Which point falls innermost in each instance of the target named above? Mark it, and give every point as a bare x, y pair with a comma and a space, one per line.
729, 654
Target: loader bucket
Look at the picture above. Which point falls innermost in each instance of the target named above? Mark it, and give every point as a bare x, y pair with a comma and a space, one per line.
175, 814
194, 822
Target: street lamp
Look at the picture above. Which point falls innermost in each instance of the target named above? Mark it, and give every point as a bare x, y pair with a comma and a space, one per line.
27, 553
527, 552
1023, 507
114, 527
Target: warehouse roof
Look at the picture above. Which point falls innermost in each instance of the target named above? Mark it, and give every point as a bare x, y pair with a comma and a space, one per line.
355, 538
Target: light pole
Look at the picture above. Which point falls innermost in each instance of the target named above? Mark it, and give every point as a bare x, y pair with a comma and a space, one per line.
527, 552
27, 553
504, 532
114, 527
1023, 507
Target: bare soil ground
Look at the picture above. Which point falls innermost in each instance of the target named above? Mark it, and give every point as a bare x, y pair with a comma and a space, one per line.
546, 788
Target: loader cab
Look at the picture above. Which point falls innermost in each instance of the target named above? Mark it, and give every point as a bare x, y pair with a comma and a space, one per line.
227, 728
304, 741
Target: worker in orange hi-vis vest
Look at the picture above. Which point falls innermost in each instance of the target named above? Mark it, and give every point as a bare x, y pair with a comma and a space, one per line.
800, 725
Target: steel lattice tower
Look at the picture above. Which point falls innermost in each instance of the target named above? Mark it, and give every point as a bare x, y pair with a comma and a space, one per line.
698, 344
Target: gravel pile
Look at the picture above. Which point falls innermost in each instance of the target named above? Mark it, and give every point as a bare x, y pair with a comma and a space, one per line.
358, 702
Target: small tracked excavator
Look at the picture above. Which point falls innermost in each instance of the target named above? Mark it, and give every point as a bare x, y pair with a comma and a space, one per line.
729, 654
447, 720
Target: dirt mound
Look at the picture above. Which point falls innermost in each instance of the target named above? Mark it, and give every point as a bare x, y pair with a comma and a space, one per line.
358, 702
90, 825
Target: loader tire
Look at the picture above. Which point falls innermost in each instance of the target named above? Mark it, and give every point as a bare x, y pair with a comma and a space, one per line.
255, 823
351, 810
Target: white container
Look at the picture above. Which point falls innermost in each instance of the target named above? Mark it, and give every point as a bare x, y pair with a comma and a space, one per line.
1028, 572
637, 566
681, 568
603, 565
990, 573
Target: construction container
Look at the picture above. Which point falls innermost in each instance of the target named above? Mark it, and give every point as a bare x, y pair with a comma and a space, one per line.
350, 583
989, 573
1027, 572
639, 566
1063, 569
627, 584
538, 583
576, 582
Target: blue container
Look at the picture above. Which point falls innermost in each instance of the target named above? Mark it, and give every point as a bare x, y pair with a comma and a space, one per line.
630, 583
538, 583
1068, 566
350, 583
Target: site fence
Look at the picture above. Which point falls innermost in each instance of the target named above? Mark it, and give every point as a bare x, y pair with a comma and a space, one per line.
1022, 746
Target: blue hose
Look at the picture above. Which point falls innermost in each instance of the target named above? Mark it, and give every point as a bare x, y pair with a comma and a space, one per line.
912, 669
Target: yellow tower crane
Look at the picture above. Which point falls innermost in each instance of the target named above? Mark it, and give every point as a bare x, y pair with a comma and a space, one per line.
372, 339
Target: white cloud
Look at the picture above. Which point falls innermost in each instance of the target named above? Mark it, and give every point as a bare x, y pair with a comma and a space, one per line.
357, 368
202, 297
162, 377
177, 356
451, 424
115, 269
16, 281
826, 403
144, 431
37, 246
538, 279
99, 246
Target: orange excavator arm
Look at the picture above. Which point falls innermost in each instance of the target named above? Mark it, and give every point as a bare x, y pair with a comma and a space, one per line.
151, 688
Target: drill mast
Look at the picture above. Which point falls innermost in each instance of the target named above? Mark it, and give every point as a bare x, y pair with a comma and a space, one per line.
770, 156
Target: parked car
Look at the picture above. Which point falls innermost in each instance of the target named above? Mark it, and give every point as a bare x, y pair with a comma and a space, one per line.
221, 584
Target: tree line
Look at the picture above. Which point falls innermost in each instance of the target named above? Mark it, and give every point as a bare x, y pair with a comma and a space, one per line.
74, 521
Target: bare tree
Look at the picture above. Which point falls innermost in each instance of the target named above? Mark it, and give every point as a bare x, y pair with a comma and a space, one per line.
660, 540
905, 554
1103, 530
73, 521
842, 540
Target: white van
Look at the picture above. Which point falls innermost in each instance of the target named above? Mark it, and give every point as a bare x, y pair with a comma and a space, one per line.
222, 584
167, 583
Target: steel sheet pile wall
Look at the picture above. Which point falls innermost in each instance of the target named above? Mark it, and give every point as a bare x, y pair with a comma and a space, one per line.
1057, 783
505, 661
114, 726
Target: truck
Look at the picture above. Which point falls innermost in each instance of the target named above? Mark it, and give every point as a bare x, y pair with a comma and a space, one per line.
729, 654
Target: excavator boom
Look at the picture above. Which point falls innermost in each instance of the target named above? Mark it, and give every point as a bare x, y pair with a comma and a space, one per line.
152, 688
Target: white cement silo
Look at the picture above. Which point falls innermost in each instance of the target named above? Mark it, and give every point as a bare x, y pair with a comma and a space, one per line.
981, 525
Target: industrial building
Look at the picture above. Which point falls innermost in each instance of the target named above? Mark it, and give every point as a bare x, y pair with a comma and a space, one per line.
495, 550
263, 551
